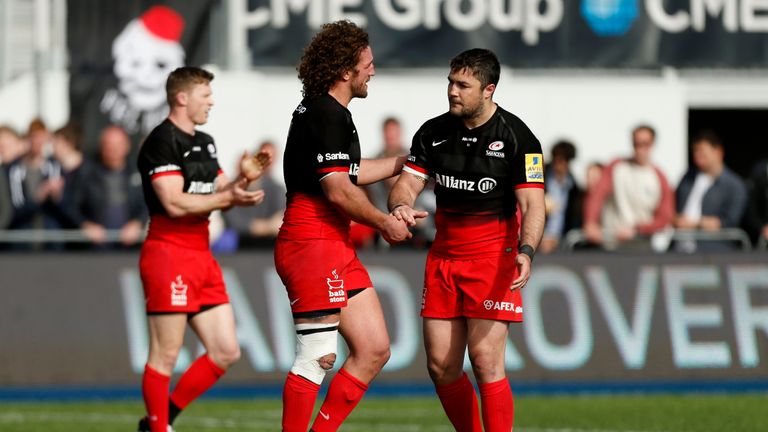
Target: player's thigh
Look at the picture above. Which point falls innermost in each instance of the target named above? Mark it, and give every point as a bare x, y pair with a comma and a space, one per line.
216, 329
445, 340
362, 323
166, 332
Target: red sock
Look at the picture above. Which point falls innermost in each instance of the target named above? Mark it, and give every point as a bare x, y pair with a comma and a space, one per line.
498, 408
460, 404
154, 387
196, 380
344, 392
299, 396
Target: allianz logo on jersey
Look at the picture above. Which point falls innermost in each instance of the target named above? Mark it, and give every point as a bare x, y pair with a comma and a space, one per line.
198, 187
332, 156
485, 184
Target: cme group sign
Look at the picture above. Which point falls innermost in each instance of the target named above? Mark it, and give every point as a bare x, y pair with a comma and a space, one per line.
557, 33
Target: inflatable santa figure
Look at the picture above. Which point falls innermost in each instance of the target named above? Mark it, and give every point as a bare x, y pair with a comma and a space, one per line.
145, 52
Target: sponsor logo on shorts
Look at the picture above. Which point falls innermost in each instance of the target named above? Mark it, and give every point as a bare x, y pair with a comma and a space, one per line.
336, 292
502, 306
534, 168
178, 292
325, 416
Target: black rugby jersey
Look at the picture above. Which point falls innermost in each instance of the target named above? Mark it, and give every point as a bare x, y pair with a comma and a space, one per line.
170, 151
322, 139
477, 170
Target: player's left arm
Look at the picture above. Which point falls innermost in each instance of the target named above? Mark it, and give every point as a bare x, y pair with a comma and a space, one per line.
373, 170
532, 208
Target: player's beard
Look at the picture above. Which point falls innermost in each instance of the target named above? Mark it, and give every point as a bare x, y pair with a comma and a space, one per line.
468, 112
359, 88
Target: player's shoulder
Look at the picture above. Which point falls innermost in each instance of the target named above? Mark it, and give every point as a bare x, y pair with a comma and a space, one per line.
203, 137
161, 133
159, 140
439, 124
510, 120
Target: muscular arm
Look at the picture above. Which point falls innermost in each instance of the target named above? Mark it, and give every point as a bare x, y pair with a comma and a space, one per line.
406, 190
170, 192
373, 170
531, 202
353, 202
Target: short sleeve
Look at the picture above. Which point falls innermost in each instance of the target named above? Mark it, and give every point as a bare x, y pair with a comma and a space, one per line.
159, 158
417, 163
331, 129
528, 163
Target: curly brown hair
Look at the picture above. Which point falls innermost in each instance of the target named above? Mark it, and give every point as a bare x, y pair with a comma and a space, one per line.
335, 49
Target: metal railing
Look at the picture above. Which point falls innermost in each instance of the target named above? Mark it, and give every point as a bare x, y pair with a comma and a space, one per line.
33, 236
576, 237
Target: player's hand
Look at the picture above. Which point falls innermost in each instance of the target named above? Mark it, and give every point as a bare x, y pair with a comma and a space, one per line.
408, 215
253, 167
394, 230
242, 197
523, 262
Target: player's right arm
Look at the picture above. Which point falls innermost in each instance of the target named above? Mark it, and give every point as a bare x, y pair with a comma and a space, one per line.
170, 192
411, 182
353, 202
403, 195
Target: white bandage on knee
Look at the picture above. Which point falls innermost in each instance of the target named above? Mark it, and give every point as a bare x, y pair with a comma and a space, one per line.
314, 341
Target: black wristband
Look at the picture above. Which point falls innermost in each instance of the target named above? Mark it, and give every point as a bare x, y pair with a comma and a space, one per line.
527, 250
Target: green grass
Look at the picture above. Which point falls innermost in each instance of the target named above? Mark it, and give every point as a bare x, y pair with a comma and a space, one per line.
732, 413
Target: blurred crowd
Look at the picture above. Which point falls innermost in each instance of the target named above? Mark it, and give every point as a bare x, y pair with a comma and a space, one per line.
47, 183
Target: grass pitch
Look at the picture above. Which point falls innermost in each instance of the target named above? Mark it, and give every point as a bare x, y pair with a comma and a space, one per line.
613, 413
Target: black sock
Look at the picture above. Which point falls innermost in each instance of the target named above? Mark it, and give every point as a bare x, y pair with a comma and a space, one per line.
173, 411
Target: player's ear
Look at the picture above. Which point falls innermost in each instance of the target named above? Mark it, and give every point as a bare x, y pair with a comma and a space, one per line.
488, 91
182, 98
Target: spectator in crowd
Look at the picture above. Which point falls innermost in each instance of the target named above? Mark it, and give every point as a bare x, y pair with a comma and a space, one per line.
632, 200
593, 176
74, 173
564, 198
112, 197
10, 148
710, 196
6, 211
257, 226
35, 183
11, 145
424, 231
756, 219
